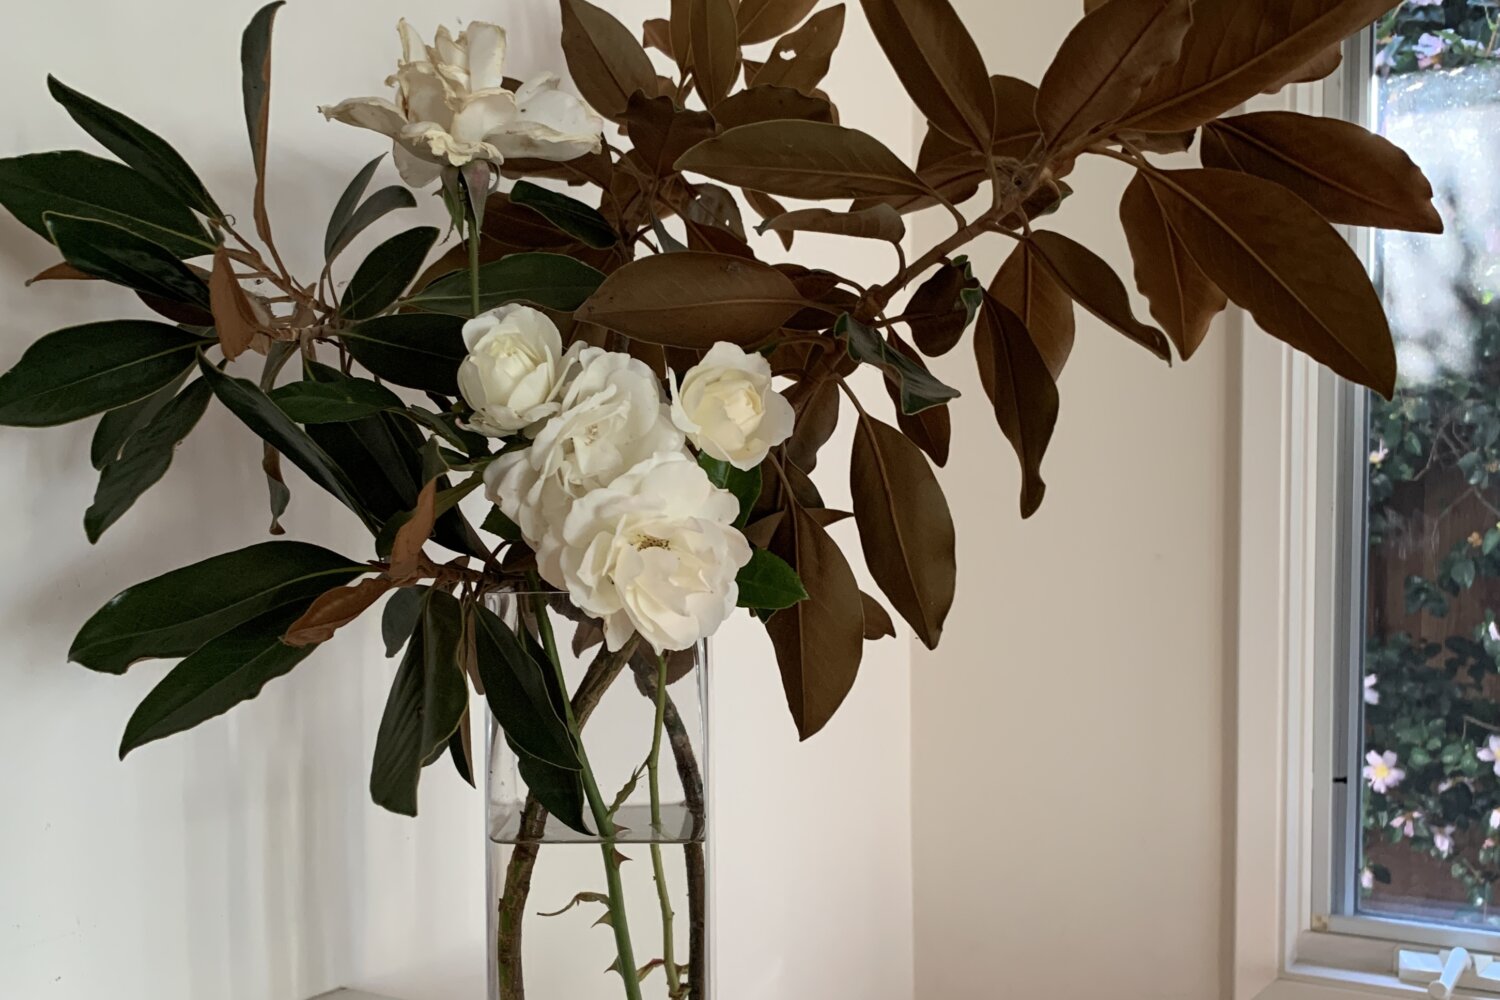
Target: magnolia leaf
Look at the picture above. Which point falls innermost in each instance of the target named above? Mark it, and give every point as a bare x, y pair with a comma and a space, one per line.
878, 222
137, 146
905, 528
83, 370
1183, 299
800, 60
767, 583
745, 484
661, 132
522, 693
406, 550
878, 624
1348, 174
1093, 284
920, 390
344, 208
941, 309
716, 49
310, 402
656, 33
89, 187
939, 65
386, 273
1026, 287
802, 159
680, 29
819, 641
371, 210
144, 459
1021, 389
763, 104
817, 419
1237, 48
334, 609
1274, 255
1322, 65
234, 319
568, 214
255, 73
117, 426
175, 613
549, 280
932, 429
120, 256
400, 617
411, 349
662, 299
1105, 63
606, 62
763, 20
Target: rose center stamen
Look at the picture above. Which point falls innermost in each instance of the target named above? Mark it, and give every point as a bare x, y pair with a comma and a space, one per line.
643, 542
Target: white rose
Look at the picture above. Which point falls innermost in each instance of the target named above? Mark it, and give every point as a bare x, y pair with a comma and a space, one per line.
727, 408
452, 107
655, 552
514, 374
612, 417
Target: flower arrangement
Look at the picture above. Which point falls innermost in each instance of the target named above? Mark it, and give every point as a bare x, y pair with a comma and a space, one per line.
641, 399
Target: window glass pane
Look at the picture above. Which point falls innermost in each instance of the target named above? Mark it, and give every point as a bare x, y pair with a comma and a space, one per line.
1430, 773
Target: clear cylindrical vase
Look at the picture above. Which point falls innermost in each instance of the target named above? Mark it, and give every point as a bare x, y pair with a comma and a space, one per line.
618, 867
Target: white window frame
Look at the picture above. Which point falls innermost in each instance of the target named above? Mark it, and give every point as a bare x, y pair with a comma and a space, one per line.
1294, 483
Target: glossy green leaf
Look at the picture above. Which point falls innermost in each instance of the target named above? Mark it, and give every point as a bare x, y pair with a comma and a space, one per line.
399, 619
83, 370
411, 349
116, 426
145, 458
920, 389
743, 483
558, 788
222, 673
496, 523
175, 613
768, 583
309, 402
90, 187
568, 214
386, 273
426, 705
117, 255
344, 208
518, 690
138, 146
255, 84
544, 279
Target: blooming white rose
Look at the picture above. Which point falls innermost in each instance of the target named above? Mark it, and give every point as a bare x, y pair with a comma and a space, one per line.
514, 374
654, 552
727, 408
452, 106
611, 418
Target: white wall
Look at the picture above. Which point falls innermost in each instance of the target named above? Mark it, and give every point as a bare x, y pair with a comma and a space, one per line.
244, 861
1068, 763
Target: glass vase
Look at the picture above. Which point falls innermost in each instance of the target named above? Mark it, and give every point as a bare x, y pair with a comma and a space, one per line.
573, 905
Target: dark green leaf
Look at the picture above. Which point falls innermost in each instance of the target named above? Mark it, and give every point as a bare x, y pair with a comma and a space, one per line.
309, 402
343, 210
411, 349
225, 671
544, 279
920, 389
519, 691
90, 187
256, 410
255, 84
558, 788
496, 523
139, 147
116, 426
145, 459
568, 214
83, 370
426, 705
175, 613
399, 620
386, 273
107, 251
376, 207
743, 483
767, 582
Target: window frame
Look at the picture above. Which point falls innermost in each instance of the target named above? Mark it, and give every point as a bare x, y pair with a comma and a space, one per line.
1299, 639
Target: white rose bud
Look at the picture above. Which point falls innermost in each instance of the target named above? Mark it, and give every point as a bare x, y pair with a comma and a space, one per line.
727, 408
655, 552
514, 374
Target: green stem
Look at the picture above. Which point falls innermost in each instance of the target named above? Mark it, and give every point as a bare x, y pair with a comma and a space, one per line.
658, 869
602, 819
474, 237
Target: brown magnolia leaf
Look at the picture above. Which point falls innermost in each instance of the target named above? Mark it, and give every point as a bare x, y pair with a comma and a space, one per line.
764, 104
1022, 391
234, 319
801, 59
607, 63
760, 532
1093, 284
680, 28
810, 160
878, 222
878, 624
819, 641
1274, 255
664, 298
656, 34
334, 609
255, 73
1089, 6
904, 526
1320, 66
716, 49
769, 208
1105, 63
817, 419
763, 20
1160, 142
1348, 174
660, 132
61, 271
1183, 299
1237, 48
932, 429
406, 550
1026, 287
937, 313
939, 65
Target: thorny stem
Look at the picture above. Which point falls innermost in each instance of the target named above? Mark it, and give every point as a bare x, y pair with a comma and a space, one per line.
658, 869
